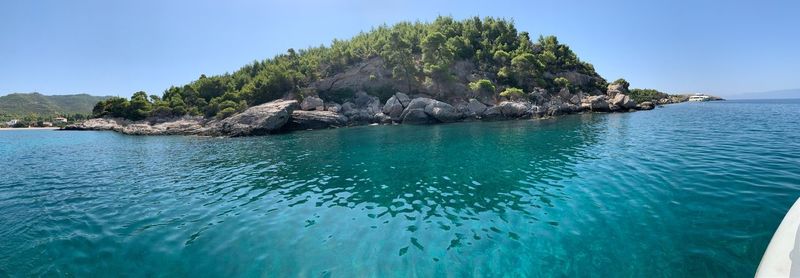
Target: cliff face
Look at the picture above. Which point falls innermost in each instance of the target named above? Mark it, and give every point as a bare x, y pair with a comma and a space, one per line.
372, 77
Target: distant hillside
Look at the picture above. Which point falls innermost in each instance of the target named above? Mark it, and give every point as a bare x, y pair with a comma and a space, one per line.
36, 103
781, 94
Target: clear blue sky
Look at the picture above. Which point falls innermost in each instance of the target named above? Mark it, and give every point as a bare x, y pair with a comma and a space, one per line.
118, 47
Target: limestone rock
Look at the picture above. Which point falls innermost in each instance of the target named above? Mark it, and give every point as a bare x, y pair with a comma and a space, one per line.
395, 105
442, 112
475, 108
312, 103
508, 110
316, 120
647, 105
416, 116
595, 103
621, 101
614, 89
99, 124
513, 109
257, 120
333, 107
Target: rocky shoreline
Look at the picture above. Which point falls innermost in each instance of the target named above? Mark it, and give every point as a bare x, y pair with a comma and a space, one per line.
313, 113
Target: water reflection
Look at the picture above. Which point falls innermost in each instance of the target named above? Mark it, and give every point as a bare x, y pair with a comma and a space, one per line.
436, 177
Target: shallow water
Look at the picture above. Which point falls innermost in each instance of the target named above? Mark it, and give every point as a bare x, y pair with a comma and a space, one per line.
693, 189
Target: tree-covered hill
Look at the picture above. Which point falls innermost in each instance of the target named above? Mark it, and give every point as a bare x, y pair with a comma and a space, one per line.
445, 59
38, 104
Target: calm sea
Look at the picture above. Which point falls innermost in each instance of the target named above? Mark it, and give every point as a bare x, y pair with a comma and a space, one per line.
692, 189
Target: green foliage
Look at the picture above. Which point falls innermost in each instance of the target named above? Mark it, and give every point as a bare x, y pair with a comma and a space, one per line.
641, 95
416, 53
224, 113
482, 86
562, 82
436, 56
139, 107
622, 82
524, 69
513, 93
45, 106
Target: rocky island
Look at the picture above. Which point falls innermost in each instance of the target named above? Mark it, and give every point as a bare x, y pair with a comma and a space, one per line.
410, 73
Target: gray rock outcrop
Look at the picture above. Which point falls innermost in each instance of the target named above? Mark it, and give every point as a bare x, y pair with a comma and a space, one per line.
257, 120
622, 102
595, 103
614, 89
315, 120
363, 109
475, 108
647, 105
508, 110
432, 111
395, 105
312, 103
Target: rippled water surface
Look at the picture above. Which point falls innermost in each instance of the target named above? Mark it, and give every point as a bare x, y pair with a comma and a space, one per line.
693, 189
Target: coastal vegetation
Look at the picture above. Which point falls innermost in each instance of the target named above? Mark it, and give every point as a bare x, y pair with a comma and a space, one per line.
444, 59
640, 95
35, 109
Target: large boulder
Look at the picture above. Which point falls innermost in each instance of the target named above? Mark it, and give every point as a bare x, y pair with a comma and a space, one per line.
395, 105
416, 116
513, 109
508, 110
621, 101
312, 103
614, 89
333, 107
257, 120
492, 113
416, 104
475, 108
367, 102
442, 112
434, 111
595, 103
315, 120
363, 108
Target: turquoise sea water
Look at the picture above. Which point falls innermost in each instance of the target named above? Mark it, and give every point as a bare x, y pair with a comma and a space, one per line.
693, 190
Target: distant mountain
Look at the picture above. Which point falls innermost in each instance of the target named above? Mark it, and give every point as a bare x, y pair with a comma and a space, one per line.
36, 103
790, 93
